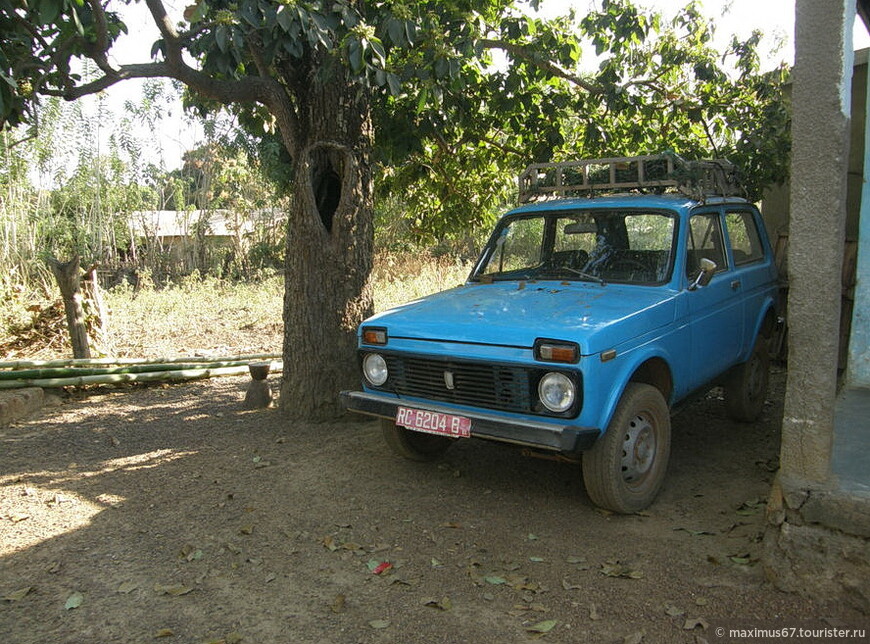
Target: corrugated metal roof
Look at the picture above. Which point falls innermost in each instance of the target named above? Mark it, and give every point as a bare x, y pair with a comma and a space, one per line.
183, 223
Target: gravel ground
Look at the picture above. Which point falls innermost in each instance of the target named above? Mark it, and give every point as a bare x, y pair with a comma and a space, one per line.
167, 513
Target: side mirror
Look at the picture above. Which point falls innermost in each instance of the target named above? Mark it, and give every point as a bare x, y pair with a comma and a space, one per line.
708, 267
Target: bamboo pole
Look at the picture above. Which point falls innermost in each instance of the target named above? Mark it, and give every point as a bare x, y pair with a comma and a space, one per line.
172, 376
108, 362
70, 372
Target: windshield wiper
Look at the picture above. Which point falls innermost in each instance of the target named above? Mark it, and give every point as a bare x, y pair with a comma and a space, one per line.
589, 276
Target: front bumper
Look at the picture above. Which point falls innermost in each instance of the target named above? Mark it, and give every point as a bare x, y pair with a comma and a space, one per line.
565, 439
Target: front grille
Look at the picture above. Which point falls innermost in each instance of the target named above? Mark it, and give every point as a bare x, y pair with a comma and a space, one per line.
491, 386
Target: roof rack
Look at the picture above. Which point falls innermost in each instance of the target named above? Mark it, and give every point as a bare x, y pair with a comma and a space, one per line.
660, 172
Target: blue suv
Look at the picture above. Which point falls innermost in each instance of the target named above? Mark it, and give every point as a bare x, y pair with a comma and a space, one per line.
582, 325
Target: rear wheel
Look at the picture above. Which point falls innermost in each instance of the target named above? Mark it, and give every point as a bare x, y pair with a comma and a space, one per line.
416, 446
625, 468
746, 388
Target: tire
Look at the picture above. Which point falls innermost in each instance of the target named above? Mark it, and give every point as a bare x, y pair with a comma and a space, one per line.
625, 469
746, 388
415, 446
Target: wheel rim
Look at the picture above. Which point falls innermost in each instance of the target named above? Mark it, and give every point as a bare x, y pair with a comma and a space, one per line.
638, 450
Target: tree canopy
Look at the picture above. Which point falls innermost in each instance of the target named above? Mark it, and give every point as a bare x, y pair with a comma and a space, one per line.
414, 92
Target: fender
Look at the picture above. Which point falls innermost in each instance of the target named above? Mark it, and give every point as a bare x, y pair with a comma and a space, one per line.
768, 307
630, 363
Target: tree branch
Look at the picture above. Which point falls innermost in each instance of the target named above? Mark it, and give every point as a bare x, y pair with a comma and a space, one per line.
264, 89
530, 56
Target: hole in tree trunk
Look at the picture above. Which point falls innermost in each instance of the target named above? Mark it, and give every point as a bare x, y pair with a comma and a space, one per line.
326, 183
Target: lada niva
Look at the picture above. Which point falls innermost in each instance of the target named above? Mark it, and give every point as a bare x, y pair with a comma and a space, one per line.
583, 324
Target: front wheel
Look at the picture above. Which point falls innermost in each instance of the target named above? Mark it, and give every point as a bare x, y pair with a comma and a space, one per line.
415, 446
746, 388
625, 469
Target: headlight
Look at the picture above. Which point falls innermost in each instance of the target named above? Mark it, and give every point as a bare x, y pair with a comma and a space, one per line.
556, 391
375, 369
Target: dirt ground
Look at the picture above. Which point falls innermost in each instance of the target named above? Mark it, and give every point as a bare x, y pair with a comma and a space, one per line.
169, 514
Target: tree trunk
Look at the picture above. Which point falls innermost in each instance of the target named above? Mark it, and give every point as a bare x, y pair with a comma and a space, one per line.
68, 276
329, 247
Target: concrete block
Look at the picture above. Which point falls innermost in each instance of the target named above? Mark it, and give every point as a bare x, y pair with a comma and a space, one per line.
16, 404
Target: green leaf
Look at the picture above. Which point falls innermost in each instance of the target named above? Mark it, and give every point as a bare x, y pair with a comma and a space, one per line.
74, 601
284, 18
379, 624
18, 595
222, 37
495, 580
542, 627
49, 10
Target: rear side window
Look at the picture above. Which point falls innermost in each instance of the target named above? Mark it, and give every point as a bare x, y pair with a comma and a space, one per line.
743, 234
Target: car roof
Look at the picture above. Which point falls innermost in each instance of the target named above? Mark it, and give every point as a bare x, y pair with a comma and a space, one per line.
667, 201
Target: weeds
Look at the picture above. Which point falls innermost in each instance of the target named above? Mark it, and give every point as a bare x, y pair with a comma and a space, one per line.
208, 315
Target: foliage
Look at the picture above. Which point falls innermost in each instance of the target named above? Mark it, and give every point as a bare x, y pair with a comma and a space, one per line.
315, 82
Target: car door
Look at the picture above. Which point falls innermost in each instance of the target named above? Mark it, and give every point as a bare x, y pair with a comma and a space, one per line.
752, 261
715, 311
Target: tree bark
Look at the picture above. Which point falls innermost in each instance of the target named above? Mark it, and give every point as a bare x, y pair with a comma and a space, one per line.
68, 276
329, 246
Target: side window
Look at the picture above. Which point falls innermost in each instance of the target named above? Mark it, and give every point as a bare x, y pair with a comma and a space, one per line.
743, 235
705, 240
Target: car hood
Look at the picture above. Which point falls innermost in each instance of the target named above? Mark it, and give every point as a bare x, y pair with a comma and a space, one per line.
516, 313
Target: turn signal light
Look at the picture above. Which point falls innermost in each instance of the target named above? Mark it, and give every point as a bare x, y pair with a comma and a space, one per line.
551, 351
372, 335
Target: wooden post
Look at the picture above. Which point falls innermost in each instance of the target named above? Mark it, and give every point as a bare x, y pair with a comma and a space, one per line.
68, 276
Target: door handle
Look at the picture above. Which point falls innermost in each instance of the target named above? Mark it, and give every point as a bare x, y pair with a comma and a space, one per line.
735, 284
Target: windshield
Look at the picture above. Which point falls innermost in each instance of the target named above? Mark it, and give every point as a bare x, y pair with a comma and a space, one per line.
628, 246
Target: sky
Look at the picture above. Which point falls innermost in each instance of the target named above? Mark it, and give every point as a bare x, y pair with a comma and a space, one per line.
739, 17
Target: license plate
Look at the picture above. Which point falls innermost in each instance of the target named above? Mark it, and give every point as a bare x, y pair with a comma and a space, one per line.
433, 422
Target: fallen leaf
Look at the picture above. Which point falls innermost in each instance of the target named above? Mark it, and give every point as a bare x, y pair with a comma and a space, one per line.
452, 524
532, 537
127, 587
381, 567
673, 611
537, 559
338, 603
18, 517
233, 638
593, 613
495, 580
18, 595
53, 567
74, 601
542, 627
329, 543
435, 563
617, 569
441, 604
573, 559
700, 601
696, 533
695, 622
569, 586
634, 638
741, 560
175, 591
247, 529
379, 623
164, 632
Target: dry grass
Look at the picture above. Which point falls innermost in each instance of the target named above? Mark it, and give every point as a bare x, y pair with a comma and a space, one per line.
208, 316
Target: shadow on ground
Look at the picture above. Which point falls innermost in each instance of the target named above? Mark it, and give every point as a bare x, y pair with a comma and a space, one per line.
171, 512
